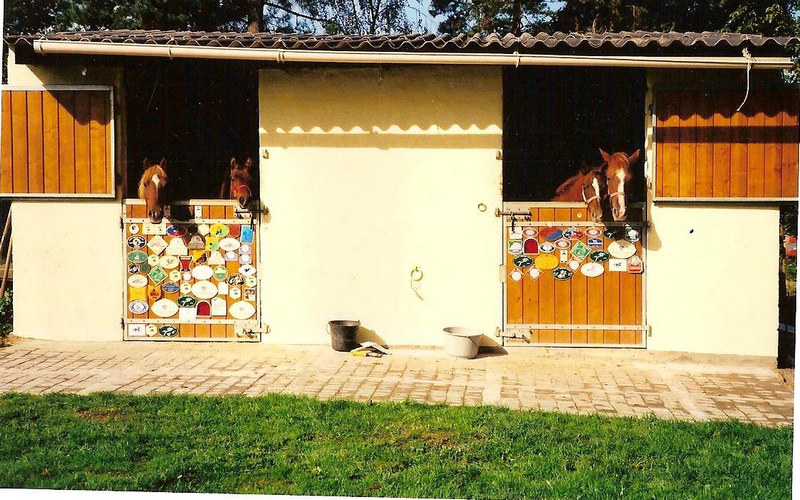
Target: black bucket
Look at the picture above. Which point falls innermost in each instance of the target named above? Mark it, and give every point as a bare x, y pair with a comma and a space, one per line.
343, 334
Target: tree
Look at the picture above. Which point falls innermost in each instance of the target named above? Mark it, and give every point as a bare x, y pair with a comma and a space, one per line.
768, 17
491, 16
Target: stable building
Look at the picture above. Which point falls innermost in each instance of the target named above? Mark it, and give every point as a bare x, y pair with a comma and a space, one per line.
405, 181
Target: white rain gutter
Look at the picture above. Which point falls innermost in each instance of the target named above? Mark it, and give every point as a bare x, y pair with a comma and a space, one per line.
374, 57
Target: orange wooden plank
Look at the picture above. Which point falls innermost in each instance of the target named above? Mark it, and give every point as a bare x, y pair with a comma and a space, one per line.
721, 138
139, 211
217, 331
611, 302
99, 165
66, 141
578, 291
789, 145
186, 330
704, 156
739, 148
514, 292
638, 306
202, 331
661, 117
669, 139
547, 290
627, 306
19, 136
755, 145
6, 160
772, 145
594, 307
83, 172
217, 212
688, 145
563, 290
35, 146
50, 142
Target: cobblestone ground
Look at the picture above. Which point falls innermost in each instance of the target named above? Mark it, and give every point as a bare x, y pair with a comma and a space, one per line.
613, 382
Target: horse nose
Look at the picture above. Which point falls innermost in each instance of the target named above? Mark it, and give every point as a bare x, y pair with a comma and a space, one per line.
156, 216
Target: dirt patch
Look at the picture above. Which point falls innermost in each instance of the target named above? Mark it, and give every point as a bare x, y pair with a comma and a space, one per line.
102, 415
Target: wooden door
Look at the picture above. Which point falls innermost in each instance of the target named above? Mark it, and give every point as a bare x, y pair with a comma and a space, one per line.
569, 305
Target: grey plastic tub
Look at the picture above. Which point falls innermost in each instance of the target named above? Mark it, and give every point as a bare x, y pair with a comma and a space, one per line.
462, 342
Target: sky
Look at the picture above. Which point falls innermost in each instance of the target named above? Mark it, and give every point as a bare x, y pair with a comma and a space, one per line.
417, 13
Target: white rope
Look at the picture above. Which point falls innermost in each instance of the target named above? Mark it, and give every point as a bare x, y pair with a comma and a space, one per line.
747, 55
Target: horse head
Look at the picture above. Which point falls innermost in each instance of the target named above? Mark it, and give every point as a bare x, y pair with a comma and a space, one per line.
240, 179
618, 172
151, 189
593, 189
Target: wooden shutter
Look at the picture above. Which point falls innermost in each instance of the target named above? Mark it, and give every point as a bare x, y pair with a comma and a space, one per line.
57, 142
705, 149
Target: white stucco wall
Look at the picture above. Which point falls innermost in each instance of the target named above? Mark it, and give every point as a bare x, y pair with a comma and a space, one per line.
370, 174
67, 270
67, 256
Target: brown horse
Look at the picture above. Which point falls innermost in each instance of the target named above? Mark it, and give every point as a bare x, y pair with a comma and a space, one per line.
618, 172
587, 185
151, 189
236, 185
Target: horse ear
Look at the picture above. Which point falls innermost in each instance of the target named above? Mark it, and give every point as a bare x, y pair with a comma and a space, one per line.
145, 164
248, 163
163, 163
606, 156
635, 156
234, 163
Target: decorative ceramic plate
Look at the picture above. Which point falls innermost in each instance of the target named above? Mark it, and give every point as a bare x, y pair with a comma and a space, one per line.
563, 244
202, 272
593, 232
137, 256
229, 244
523, 261
187, 301
247, 270
168, 330
219, 230
137, 281
621, 249
164, 308
138, 307
546, 262
137, 242
170, 287
169, 262
204, 289
242, 310
562, 273
592, 269
599, 256
547, 247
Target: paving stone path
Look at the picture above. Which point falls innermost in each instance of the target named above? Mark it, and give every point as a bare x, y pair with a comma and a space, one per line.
613, 382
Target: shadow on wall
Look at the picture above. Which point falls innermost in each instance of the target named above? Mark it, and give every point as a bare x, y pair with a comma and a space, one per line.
383, 108
366, 335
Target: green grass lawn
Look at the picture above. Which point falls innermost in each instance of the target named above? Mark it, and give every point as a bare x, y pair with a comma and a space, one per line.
292, 445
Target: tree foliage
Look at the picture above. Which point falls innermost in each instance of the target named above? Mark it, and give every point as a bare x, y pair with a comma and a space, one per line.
768, 17
491, 16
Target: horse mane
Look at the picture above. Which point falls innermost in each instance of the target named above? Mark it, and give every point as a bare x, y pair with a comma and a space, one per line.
567, 190
147, 175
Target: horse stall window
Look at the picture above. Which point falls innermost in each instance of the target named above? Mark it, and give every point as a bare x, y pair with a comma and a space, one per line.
57, 142
197, 115
570, 279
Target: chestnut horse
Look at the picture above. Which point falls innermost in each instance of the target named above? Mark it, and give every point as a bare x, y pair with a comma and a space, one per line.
236, 185
587, 185
151, 189
618, 172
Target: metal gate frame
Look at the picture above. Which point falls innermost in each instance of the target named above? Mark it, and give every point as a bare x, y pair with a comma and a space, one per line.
522, 331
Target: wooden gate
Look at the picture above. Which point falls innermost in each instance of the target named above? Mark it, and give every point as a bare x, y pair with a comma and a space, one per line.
569, 281
194, 277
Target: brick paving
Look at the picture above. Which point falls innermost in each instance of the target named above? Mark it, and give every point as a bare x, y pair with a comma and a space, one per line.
612, 382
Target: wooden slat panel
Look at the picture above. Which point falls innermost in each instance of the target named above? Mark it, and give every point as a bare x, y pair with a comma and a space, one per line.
721, 138
670, 170
51, 145
628, 294
611, 302
688, 145
217, 212
35, 146
19, 134
546, 290
230, 332
202, 331
513, 293
756, 119
530, 295
217, 331
578, 285
99, 166
6, 161
66, 141
563, 295
83, 172
772, 146
186, 330
704, 155
789, 145
738, 178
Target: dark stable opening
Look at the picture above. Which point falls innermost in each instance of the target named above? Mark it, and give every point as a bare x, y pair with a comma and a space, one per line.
555, 119
197, 115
